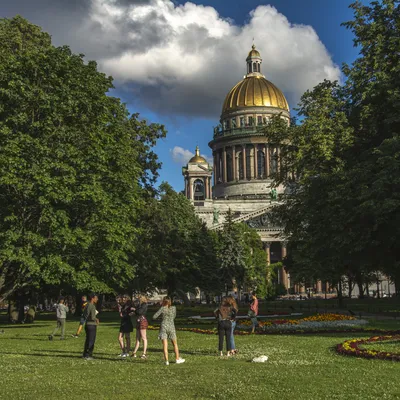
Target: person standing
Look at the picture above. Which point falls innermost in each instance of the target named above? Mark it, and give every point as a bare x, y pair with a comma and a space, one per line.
61, 311
232, 302
141, 325
224, 313
92, 321
253, 311
167, 329
82, 320
126, 326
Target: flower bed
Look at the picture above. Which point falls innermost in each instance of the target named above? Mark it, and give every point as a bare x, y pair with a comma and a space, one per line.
213, 331
319, 322
353, 348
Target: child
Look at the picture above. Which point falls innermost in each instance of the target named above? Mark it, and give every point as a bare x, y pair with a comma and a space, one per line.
61, 310
253, 312
126, 326
167, 329
82, 320
141, 325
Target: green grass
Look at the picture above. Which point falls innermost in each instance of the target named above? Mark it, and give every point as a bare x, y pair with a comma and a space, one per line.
299, 367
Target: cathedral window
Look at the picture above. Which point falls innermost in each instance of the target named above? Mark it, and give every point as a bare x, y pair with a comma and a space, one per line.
229, 167
240, 165
250, 121
260, 164
254, 67
241, 121
259, 120
233, 122
248, 164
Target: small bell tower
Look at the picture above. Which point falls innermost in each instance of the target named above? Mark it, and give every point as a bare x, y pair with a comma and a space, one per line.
197, 175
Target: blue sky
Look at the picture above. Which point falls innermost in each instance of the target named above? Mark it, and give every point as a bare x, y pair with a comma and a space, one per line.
174, 62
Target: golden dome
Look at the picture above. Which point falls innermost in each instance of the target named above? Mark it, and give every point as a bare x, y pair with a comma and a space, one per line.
254, 91
197, 158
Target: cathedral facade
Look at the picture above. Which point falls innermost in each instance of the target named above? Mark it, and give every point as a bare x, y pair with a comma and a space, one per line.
243, 163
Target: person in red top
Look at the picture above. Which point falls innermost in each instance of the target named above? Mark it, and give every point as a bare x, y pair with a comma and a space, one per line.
253, 312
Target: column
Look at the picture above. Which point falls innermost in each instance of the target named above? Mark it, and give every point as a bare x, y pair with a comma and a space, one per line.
284, 274
255, 161
244, 163
190, 189
218, 167
319, 287
267, 161
225, 179
234, 163
215, 167
251, 163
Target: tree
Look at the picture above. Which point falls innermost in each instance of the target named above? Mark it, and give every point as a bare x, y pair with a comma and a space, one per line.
340, 164
176, 251
240, 257
75, 169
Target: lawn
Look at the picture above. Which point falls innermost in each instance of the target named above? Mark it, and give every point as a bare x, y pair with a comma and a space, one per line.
299, 367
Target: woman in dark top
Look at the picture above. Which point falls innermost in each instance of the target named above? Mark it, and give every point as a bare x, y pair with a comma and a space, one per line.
140, 310
224, 315
124, 308
231, 300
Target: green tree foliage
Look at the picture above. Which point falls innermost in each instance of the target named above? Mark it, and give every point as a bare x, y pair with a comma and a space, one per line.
176, 250
75, 169
240, 257
341, 163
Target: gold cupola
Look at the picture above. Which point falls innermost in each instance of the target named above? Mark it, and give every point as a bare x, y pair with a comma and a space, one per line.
254, 90
197, 158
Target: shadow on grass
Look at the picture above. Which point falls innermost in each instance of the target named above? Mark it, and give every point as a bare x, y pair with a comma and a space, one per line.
19, 326
76, 357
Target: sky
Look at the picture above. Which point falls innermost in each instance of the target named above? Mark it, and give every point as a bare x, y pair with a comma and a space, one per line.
175, 61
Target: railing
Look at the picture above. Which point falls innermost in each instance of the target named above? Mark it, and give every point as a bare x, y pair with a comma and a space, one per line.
243, 130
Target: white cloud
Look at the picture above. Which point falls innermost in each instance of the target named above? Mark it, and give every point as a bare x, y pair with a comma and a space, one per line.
185, 58
182, 59
182, 156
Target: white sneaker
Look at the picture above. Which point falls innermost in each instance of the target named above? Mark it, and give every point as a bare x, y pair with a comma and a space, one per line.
180, 360
124, 355
166, 362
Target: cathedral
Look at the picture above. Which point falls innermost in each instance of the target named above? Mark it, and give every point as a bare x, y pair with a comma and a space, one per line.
243, 161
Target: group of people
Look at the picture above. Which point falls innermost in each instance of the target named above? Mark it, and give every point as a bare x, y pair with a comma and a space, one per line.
226, 314
136, 309
128, 310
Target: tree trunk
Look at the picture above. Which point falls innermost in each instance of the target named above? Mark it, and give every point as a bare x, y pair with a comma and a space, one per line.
340, 294
184, 297
350, 283
360, 287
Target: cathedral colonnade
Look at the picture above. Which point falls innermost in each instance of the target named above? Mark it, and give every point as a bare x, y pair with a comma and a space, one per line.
235, 163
